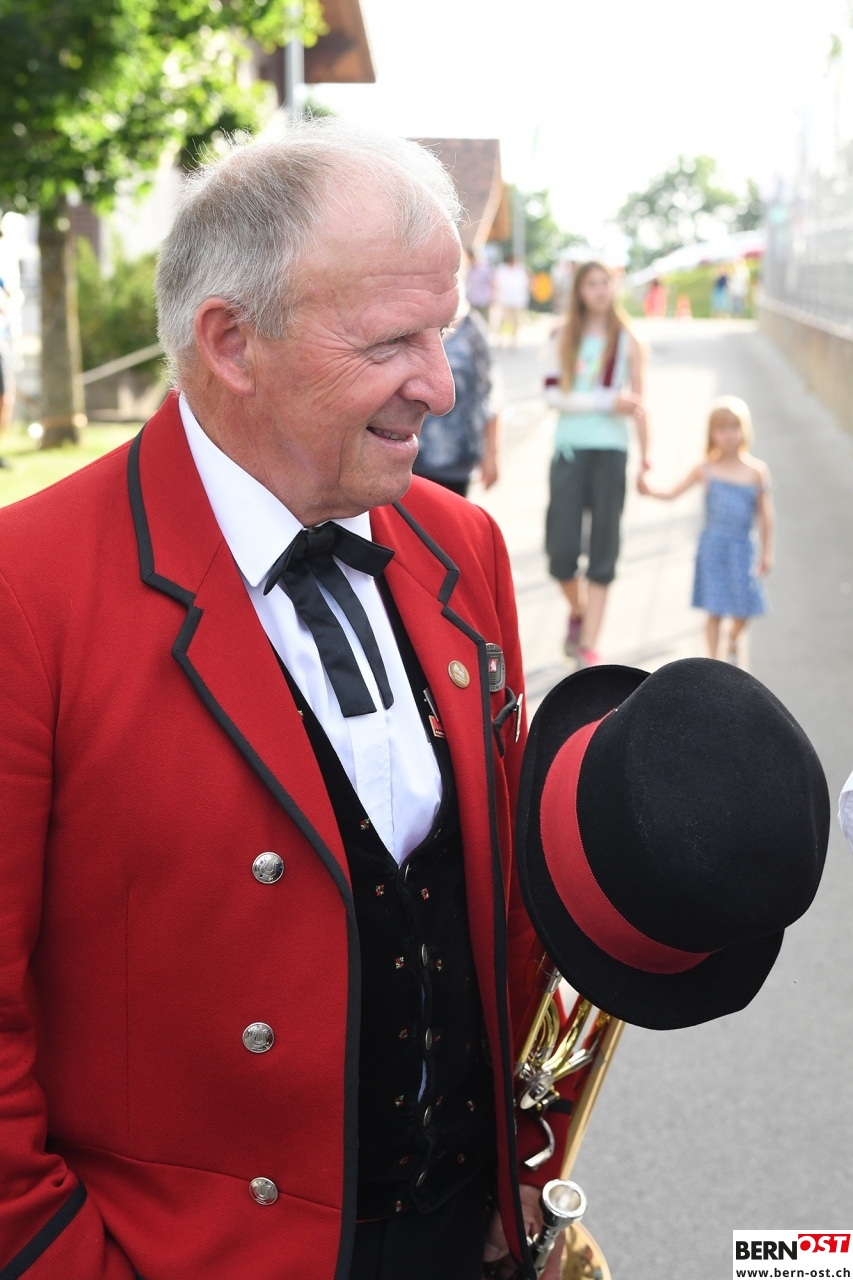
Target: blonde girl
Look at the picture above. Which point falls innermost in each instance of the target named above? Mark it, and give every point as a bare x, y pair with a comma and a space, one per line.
729, 575
597, 391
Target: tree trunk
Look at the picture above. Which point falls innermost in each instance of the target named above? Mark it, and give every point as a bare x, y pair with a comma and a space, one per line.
63, 407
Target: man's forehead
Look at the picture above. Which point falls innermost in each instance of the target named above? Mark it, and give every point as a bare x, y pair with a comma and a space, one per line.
362, 234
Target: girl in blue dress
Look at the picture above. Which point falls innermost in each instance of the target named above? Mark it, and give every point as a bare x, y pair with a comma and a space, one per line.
729, 573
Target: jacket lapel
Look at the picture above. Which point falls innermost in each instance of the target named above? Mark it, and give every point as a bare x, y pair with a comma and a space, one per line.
221, 645
422, 579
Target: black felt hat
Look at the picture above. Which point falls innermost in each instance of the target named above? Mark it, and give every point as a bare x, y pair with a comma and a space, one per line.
670, 826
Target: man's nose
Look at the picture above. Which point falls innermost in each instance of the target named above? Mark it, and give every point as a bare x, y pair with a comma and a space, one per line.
433, 385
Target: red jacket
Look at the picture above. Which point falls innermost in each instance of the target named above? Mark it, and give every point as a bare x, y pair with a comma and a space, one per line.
150, 750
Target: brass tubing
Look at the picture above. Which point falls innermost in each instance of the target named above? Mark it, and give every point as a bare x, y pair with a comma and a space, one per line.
589, 1092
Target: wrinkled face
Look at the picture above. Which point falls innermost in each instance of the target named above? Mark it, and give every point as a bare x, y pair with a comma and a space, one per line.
596, 291
339, 402
727, 434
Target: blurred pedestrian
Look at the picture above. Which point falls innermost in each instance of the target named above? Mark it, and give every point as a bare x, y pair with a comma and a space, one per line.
480, 283
598, 389
512, 296
7, 371
737, 496
542, 289
655, 301
739, 287
450, 447
720, 300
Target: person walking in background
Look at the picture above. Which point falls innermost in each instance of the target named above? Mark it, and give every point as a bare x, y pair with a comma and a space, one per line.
450, 447
598, 389
737, 495
512, 296
739, 288
720, 298
655, 301
7, 372
480, 284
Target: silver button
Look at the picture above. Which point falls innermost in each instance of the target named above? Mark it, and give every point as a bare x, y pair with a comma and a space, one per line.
428, 1038
427, 1116
424, 954
421, 1179
267, 868
258, 1037
263, 1191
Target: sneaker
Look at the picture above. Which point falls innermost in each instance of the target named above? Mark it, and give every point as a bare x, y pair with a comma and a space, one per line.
573, 636
588, 657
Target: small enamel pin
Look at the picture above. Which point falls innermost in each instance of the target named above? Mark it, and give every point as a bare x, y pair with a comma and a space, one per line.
434, 722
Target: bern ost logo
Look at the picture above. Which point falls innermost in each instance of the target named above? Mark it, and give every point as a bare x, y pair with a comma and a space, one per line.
807, 1242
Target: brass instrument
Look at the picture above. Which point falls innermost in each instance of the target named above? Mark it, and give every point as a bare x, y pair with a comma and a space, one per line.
545, 1056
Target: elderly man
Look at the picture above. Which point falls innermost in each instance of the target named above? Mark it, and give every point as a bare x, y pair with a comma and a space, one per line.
261, 942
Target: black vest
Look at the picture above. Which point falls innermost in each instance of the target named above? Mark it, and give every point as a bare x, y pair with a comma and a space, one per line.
420, 1139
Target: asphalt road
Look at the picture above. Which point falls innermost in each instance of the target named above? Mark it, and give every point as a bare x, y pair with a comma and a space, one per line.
748, 1121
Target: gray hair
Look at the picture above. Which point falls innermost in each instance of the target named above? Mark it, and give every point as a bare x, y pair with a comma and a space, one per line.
245, 221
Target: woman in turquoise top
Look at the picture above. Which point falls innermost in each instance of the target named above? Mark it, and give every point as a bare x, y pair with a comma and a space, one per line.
598, 391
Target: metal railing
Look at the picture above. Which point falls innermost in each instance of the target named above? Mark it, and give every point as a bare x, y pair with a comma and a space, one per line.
808, 264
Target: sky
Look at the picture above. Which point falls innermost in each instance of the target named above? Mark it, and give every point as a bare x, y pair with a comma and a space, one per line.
592, 98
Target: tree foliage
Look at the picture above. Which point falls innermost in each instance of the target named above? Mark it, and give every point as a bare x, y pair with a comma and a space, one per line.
685, 205
544, 239
117, 311
94, 91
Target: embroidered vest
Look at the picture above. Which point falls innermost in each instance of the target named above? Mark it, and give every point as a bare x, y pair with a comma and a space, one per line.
426, 1104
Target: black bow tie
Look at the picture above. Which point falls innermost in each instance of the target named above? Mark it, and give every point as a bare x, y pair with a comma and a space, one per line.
310, 559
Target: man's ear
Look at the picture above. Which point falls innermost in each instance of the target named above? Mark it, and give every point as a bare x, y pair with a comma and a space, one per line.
224, 346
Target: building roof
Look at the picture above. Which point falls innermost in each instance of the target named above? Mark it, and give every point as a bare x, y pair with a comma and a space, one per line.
343, 56
475, 166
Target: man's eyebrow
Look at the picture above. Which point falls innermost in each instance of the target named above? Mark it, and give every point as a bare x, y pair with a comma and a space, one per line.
393, 335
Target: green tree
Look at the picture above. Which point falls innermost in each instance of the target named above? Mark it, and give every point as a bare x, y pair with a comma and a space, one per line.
544, 239
684, 205
117, 311
92, 94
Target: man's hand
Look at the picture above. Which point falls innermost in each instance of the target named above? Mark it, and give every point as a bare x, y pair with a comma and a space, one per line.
496, 1251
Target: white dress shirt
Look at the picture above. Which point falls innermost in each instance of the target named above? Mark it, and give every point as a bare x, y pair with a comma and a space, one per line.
386, 754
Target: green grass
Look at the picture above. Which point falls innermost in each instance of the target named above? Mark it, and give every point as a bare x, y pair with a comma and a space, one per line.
33, 468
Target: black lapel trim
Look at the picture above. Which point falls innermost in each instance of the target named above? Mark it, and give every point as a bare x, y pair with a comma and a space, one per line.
143, 533
501, 981
447, 589
179, 652
452, 575
44, 1238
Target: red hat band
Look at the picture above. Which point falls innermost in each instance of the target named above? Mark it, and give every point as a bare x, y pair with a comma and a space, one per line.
575, 881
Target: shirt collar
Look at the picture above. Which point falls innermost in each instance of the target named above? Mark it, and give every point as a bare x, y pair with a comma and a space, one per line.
254, 523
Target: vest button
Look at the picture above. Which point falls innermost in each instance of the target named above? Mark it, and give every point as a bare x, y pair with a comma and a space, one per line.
427, 1116
258, 1037
267, 868
263, 1191
428, 1039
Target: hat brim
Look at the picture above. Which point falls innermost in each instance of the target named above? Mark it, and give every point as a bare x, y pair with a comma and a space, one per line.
722, 984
